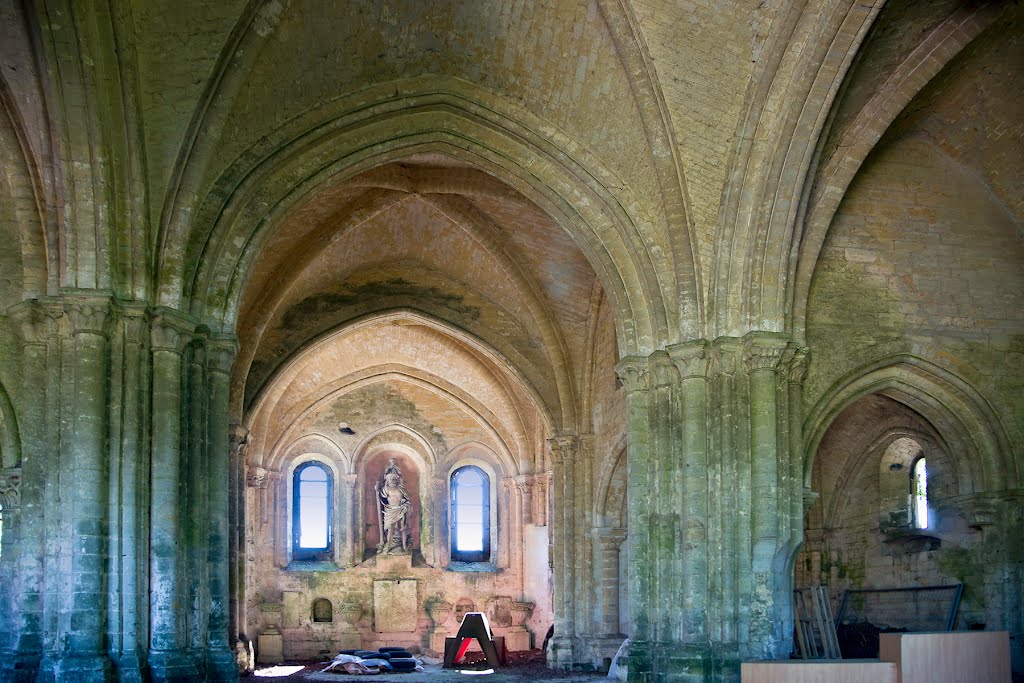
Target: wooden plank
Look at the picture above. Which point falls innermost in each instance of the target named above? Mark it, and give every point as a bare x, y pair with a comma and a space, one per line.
821, 671
948, 657
829, 634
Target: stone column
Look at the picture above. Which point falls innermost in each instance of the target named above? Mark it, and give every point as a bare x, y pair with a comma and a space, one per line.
762, 354
238, 438
665, 498
609, 540
168, 658
442, 529
691, 361
348, 507
220, 358
515, 535
634, 374
525, 484
129, 502
26, 620
563, 453
519, 517
85, 657
10, 512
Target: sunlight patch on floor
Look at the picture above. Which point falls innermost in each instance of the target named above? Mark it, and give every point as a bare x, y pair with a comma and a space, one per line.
278, 671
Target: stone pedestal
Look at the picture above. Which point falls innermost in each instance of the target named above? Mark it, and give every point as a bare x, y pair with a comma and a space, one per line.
439, 612
517, 638
270, 646
350, 638
393, 564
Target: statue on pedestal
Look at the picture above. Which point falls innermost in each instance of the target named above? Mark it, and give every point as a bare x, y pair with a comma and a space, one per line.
393, 506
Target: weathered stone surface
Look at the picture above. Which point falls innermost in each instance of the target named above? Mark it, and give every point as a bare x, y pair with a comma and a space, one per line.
395, 606
693, 283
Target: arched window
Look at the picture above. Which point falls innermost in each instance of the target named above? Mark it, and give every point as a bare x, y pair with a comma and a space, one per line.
471, 515
919, 493
312, 496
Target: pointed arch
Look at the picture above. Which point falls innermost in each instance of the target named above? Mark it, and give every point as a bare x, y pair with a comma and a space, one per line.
205, 260
787, 108
968, 425
861, 136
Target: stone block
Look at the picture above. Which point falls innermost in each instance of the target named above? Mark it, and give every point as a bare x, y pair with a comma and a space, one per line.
394, 606
270, 647
292, 609
393, 564
517, 639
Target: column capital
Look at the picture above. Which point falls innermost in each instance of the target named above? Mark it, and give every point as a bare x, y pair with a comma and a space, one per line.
238, 437
10, 488
691, 358
134, 322
563, 448
609, 537
221, 350
663, 372
523, 482
725, 354
88, 314
170, 330
634, 373
257, 477
796, 369
349, 480
33, 322
763, 351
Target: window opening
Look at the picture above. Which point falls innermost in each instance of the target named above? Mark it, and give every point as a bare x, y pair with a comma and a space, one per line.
471, 515
919, 493
312, 496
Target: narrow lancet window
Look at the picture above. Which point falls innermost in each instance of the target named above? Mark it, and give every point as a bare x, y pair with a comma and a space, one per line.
312, 494
471, 515
919, 493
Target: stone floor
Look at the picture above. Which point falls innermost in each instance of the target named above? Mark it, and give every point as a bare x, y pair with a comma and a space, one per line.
520, 669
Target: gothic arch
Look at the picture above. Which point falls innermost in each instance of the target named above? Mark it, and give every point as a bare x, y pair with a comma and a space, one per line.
21, 205
836, 173
314, 443
870, 458
432, 383
390, 436
787, 107
10, 439
967, 424
616, 466
429, 114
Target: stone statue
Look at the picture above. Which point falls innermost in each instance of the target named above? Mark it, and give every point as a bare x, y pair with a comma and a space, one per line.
393, 506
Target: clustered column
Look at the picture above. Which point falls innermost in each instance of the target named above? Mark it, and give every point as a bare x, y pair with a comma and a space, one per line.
122, 562
715, 503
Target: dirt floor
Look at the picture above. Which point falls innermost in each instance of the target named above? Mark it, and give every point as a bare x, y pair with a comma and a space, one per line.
521, 667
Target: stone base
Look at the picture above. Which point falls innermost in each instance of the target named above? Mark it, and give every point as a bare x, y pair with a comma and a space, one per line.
19, 668
270, 648
221, 666
350, 640
171, 666
393, 564
88, 669
517, 639
437, 636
